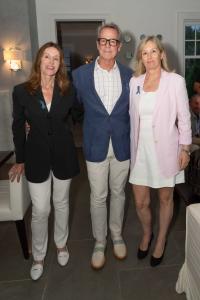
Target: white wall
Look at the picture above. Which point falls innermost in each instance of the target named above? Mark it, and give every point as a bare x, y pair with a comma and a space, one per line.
137, 17
14, 32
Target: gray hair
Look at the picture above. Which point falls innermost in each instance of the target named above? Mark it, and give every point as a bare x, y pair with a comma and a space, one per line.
111, 26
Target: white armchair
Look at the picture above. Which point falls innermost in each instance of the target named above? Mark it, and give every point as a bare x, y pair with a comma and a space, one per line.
189, 275
14, 202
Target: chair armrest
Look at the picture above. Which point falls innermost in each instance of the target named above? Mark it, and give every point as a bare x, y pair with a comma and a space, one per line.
19, 198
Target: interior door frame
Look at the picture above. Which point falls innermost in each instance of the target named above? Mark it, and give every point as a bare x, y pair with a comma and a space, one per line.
55, 17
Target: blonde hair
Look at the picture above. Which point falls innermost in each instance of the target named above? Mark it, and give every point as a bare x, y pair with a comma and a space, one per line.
140, 68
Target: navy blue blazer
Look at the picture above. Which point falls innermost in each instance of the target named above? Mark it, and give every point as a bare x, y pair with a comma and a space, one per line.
98, 125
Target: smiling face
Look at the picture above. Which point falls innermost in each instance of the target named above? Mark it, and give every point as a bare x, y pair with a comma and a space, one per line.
151, 56
50, 62
108, 52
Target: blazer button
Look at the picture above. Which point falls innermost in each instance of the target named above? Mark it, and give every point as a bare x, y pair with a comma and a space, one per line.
50, 132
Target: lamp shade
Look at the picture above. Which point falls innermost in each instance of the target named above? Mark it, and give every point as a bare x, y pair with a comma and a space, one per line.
14, 56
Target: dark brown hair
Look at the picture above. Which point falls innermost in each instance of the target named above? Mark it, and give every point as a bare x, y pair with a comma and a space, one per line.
34, 81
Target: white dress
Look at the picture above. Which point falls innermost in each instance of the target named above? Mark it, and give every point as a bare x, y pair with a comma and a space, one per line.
146, 169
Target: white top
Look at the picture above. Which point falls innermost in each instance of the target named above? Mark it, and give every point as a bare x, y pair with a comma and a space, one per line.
108, 85
146, 170
48, 106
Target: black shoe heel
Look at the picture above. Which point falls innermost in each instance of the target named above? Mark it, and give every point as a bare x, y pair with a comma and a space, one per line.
155, 261
141, 254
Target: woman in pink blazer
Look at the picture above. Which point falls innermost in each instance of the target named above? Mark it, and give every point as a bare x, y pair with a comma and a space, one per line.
160, 140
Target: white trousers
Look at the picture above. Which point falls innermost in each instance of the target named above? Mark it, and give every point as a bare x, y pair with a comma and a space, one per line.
40, 196
100, 174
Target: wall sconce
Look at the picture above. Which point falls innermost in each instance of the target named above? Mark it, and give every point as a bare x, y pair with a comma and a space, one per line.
88, 59
14, 57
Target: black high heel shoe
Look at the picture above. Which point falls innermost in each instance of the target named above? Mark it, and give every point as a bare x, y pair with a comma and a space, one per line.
155, 261
143, 253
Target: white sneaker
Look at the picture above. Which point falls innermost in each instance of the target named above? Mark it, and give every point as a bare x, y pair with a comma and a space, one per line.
36, 271
119, 248
63, 257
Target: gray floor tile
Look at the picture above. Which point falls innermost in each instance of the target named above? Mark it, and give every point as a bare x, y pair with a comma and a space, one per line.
12, 262
130, 279
80, 220
150, 284
13, 265
78, 281
18, 290
179, 218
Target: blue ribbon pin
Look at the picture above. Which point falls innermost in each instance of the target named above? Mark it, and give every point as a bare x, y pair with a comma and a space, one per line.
138, 90
42, 104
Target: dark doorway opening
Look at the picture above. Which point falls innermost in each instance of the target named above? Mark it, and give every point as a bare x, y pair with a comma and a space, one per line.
78, 41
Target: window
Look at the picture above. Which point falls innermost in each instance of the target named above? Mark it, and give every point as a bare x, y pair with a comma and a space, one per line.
192, 54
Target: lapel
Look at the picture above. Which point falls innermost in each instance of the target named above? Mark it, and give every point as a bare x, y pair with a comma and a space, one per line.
138, 90
56, 98
39, 99
125, 87
160, 92
93, 90
124, 82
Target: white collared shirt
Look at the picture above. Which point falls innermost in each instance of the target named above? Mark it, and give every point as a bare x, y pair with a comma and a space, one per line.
108, 85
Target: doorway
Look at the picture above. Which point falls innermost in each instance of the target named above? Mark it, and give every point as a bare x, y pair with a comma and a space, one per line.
78, 41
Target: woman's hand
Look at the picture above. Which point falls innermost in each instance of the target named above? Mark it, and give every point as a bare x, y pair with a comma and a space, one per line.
184, 159
16, 172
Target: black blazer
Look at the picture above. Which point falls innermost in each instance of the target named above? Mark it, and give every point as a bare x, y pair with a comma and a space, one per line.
49, 144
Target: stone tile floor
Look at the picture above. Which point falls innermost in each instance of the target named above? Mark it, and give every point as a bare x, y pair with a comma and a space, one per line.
118, 280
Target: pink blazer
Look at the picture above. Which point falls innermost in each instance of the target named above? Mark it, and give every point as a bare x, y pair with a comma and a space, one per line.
171, 120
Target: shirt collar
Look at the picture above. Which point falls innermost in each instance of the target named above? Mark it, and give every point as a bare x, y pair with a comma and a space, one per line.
98, 67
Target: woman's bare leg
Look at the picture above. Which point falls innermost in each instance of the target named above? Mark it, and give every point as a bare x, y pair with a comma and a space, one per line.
165, 216
142, 202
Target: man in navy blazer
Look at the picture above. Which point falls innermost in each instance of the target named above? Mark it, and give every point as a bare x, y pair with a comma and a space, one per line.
103, 88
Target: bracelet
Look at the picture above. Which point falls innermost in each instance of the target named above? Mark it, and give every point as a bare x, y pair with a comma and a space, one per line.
187, 151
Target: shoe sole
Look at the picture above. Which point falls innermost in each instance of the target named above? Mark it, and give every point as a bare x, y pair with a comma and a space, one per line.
96, 268
120, 257
36, 279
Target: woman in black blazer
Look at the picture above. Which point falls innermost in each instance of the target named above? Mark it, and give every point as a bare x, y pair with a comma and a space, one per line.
47, 152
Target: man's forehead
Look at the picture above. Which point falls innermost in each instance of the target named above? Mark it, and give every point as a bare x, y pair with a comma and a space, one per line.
106, 31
